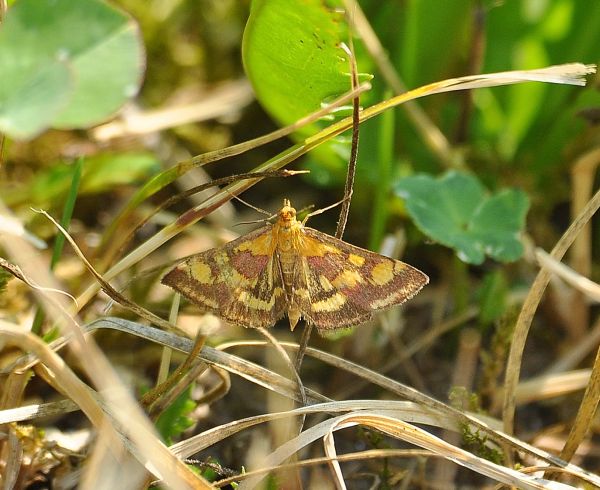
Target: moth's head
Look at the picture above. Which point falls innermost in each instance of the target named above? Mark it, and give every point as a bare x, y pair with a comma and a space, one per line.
287, 214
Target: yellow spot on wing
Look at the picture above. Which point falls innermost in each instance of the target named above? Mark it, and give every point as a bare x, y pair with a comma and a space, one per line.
313, 248
384, 302
382, 273
261, 245
356, 260
325, 284
255, 303
201, 272
398, 266
333, 303
347, 279
241, 280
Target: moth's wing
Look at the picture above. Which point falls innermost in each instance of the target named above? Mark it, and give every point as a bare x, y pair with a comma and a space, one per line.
239, 282
339, 285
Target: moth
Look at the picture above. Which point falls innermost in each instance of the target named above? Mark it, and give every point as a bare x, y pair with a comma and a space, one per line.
286, 268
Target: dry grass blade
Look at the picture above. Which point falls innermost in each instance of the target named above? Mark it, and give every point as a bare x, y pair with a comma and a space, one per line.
583, 172
394, 423
534, 296
119, 401
410, 433
356, 456
31, 412
587, 287
585, 414
479, 423
233, 364
80, 393
552, 386
319, 430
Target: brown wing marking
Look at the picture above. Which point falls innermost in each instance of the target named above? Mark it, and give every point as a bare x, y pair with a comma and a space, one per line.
340, 285
239, 282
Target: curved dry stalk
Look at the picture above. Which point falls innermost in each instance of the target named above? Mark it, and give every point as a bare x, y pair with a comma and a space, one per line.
233, 364
410, 433
355, 456
584, 285
107, 287
529, 308
16, 271
580, 256
585, 414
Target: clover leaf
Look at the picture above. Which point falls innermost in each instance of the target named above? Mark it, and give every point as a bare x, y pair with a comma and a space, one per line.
457, 211
65, 64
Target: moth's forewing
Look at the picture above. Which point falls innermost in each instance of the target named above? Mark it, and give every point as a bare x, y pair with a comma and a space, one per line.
239, 282
341, 285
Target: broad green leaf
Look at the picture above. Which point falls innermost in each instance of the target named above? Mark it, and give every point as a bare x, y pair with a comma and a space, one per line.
100, 172
65, 63
109, 170
292, 56
34, 89
456, 211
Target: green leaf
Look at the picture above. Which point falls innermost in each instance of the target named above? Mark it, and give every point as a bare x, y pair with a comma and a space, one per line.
100, 172
33, 90
492, 296
292, 56
174, 420
65, 63
109, 170
456, 211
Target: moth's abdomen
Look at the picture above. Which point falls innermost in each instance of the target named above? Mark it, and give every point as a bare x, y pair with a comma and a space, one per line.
287, 262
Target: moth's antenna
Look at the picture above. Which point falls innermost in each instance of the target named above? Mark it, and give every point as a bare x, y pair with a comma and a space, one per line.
261, 211
253, 222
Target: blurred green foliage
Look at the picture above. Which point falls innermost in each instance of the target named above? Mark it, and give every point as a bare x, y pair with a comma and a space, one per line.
176, 418
522, 135
56, 72
101, 172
